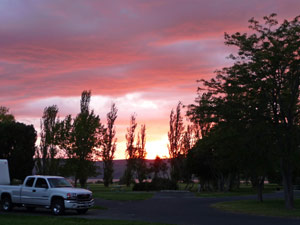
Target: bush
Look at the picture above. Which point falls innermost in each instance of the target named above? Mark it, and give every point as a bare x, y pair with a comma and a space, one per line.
156, 184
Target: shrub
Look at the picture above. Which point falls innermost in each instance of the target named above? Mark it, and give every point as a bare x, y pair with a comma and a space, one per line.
156, 184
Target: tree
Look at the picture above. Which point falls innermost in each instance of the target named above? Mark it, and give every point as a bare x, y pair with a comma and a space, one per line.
109, 146
17, 142
259, 95
268, 63
85, 137
202, 114
159, 168
141, 166
48, 163
185, 146
5, 116
130, 151
175, 135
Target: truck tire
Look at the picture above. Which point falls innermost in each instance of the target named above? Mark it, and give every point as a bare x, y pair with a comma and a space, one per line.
82, 211
6, 204
57, 207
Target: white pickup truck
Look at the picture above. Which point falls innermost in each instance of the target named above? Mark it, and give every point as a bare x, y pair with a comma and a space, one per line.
52, 192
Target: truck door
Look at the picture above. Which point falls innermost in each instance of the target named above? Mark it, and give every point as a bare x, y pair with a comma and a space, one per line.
41, 192
26, 193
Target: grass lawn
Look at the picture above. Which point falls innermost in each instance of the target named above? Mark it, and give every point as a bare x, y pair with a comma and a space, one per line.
274, 207
117, 192
124, 193
46, 220
243, 190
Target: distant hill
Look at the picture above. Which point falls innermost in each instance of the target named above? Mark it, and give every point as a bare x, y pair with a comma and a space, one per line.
119, 168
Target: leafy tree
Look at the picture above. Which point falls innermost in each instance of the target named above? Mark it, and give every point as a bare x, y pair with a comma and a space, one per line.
47, 161
83, 137
268, 62
186, 141
202, 114
5, 116
186, 145
109, 146
259, 96
159, 168
17, 142
175, 135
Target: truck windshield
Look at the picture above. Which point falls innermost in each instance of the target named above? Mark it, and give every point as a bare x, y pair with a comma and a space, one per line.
59, 182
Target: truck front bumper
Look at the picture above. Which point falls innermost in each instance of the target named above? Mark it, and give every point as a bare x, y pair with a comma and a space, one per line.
73, 204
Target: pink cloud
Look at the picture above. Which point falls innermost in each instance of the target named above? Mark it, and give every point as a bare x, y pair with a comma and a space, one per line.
52, 50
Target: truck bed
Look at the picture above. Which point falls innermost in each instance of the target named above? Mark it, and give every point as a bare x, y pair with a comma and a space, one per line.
14, 190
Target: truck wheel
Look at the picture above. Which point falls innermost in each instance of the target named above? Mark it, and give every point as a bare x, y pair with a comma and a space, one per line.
82, 211
58, 207
6, 204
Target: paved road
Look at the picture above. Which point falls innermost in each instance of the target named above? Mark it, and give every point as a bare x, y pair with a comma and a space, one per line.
181, 208
185, 209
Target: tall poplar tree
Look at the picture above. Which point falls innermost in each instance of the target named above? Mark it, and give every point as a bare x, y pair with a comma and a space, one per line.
84, 138
141, 166
131, 151
175, 136
109, 146
47, 161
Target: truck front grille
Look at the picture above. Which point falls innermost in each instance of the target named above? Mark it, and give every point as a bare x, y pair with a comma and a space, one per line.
84, 197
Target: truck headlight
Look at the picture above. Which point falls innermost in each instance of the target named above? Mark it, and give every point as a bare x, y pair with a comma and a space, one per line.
71, 195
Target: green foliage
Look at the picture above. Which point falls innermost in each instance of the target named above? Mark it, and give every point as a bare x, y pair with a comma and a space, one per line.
130, 152
175, 136
159, 168
135, 154
140, 164
248, 114
109, 146
80, 138
5, 116
47, 160
17, 142
267, 69
156, 184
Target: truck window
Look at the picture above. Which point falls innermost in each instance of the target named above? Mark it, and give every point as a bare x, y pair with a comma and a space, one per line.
29, 182
59, 182
41, 183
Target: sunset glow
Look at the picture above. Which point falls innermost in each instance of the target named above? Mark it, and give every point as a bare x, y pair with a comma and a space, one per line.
145, 56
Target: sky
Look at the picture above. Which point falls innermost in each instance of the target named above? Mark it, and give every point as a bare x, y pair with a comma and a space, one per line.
145, 56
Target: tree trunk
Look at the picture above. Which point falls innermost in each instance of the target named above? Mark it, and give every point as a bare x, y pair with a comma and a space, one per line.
286, 172
221, 183
260, 187
230, 182
238, 181
75, 181
82, 182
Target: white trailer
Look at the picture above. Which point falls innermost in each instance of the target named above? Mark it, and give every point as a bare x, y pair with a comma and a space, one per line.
4, 173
